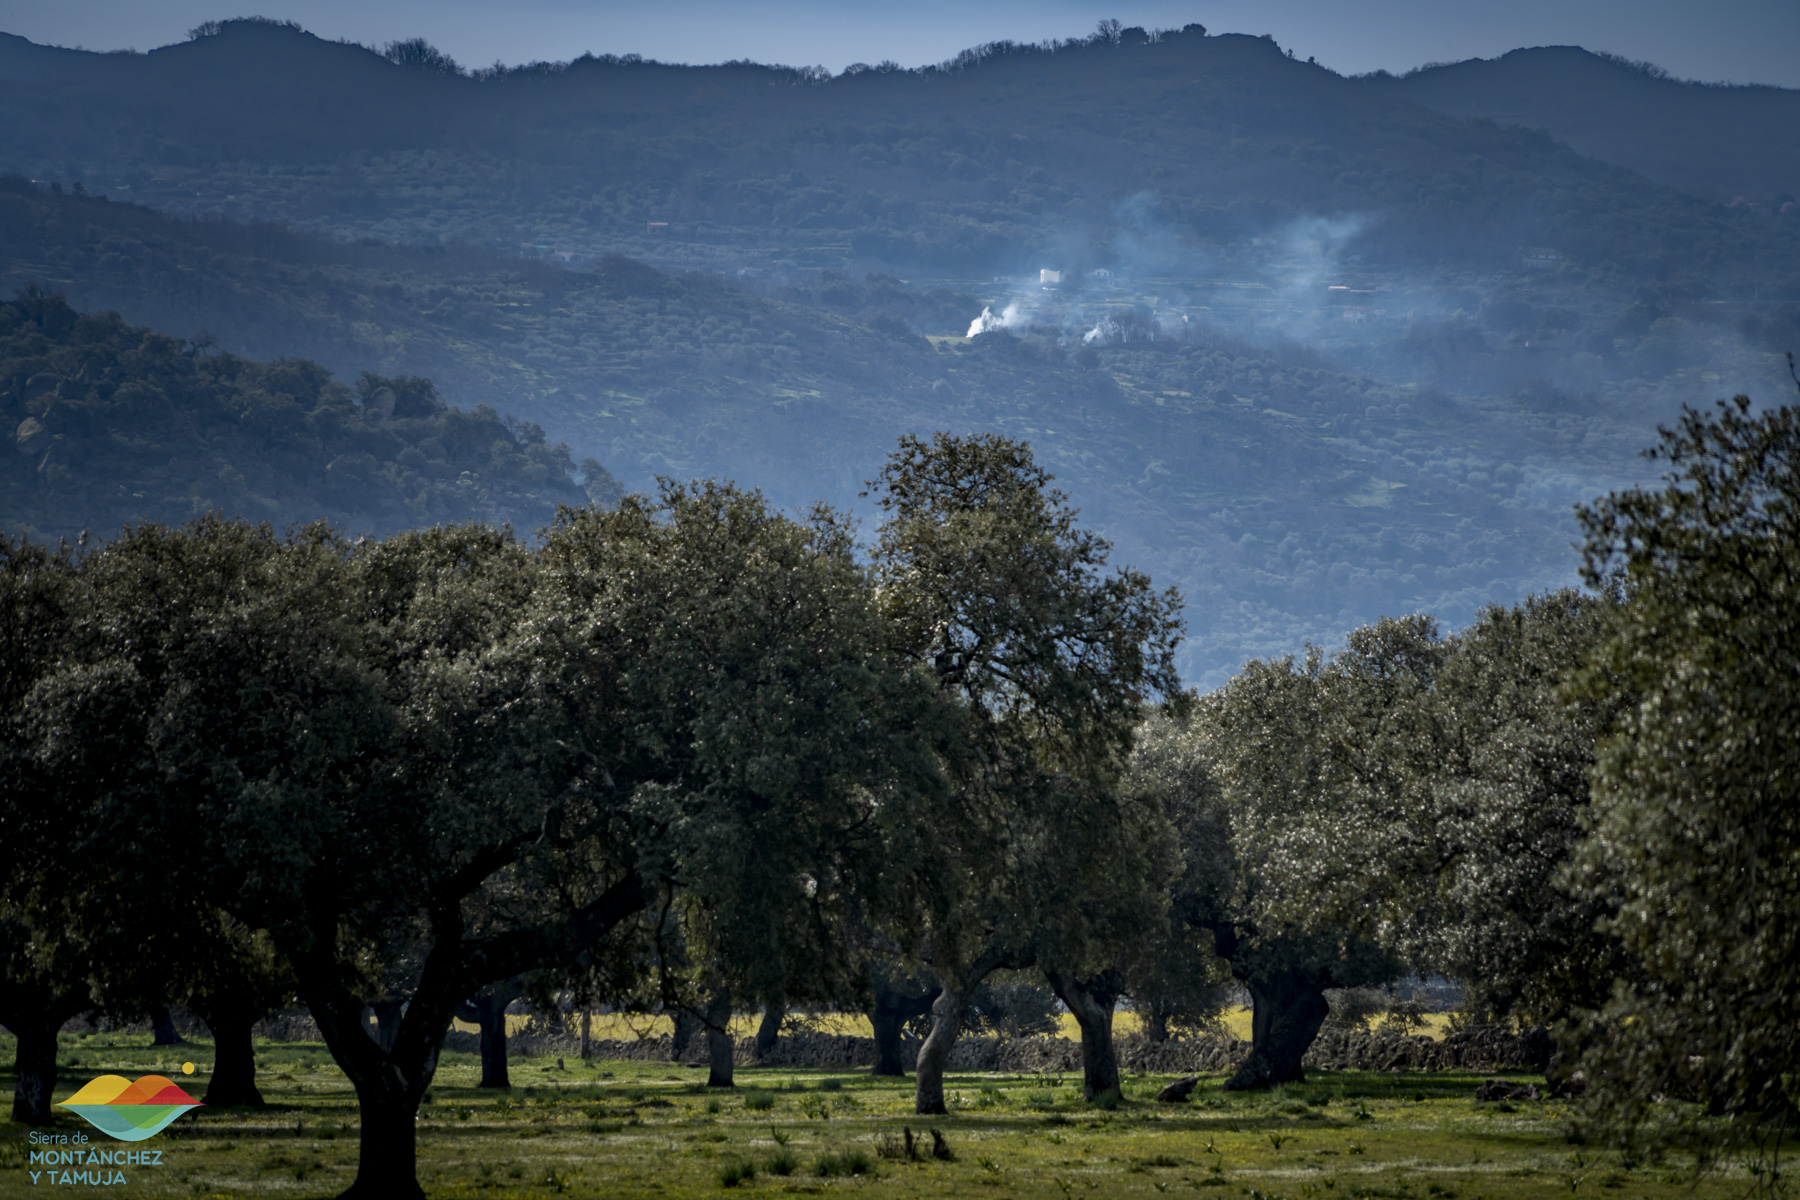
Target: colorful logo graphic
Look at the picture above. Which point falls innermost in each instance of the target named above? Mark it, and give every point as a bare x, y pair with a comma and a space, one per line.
130, 1111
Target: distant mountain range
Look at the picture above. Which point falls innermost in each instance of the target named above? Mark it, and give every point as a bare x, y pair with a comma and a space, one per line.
1010, 156
1299, 344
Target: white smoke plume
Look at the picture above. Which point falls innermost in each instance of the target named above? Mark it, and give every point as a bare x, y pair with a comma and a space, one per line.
1009, 317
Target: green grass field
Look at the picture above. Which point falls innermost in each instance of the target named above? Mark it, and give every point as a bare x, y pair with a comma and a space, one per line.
611, 1129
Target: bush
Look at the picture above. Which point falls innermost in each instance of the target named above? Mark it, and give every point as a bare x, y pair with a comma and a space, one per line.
850, 1162
735, 1172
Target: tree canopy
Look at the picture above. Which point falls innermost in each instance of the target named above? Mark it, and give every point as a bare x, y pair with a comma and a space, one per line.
1695, 843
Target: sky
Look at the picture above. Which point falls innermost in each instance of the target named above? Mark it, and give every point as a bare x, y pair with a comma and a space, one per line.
1735, 41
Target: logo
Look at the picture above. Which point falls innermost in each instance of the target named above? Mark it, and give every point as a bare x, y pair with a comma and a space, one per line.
130, 1111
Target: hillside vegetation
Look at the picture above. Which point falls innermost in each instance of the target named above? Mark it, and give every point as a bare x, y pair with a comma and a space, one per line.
1006, 155
114, 424
1287, 496
1721, 142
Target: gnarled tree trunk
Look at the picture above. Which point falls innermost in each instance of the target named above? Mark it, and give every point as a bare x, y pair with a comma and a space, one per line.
35, 1013
719, 1046
769, 1031
888, 1017
488, 1012
946, 1025
1288, 1007
1092, 1001
390, 1081
163, 1031
387, 1156
233, 1082
686, 1026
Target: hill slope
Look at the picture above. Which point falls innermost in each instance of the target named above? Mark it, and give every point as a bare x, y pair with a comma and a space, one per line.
114, 424
1714, 141
1287, 497
1011, 155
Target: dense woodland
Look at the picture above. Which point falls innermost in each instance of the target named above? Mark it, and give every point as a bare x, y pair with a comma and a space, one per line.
115, 425
687, 752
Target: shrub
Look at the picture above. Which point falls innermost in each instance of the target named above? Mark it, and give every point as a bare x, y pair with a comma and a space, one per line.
850, 1162
735, 1172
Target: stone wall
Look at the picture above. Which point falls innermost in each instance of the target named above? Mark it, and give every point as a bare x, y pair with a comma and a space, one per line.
1483, 1049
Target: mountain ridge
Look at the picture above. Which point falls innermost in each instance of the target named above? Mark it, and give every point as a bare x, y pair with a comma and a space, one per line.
1721, 141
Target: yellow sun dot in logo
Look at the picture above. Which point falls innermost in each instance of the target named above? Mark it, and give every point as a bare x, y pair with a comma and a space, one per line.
187, 1068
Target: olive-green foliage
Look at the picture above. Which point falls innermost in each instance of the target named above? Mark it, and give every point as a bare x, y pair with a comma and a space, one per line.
1451, 787
1696, 837
439, 760
111, 424
1013, 1004
1247, 769
1048, 654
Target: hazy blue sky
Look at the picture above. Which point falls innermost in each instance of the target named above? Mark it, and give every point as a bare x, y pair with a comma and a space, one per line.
1741, 41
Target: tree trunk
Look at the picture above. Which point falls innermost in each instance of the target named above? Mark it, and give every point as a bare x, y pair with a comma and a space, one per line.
387, 1015
892, 1010
587, 1033
34, 1067
1288, 1007
389, 1081
888, 1024
387, 1158
165, 1033
946, 1024
234, 1060
686, 1026
488, 1011
769, 1031
718, 1041
1156, 1025
1092, 1001
35, 1013
934, 1054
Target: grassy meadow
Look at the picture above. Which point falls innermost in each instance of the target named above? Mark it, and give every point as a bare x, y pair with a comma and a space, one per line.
614, 1129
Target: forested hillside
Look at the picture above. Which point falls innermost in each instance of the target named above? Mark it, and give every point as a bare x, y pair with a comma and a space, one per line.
1286, 496
1007, 155
1312, 353
115, 424
1722, 142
